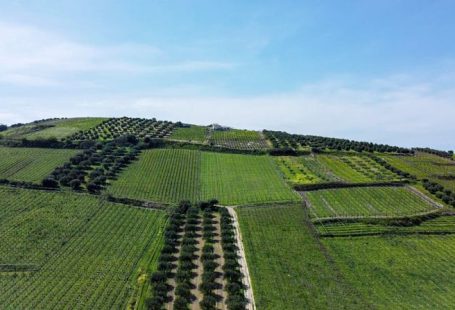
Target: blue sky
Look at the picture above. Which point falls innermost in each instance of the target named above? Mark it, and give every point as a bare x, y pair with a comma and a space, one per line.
381, 71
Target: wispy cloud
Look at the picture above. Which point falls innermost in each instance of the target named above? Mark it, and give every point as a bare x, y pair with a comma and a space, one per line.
33, 57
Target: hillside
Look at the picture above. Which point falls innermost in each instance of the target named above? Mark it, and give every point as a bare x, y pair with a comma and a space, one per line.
103, 213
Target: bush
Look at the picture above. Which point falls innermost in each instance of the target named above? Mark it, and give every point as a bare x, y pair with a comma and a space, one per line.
75, 184
50, 182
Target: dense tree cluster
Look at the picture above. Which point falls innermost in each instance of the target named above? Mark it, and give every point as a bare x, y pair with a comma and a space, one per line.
3, 127
283, 140
235, 288
444, 154
392, 168
438, 190
91, 168
113, 128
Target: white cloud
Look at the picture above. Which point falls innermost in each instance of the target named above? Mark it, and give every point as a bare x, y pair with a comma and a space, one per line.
31, 56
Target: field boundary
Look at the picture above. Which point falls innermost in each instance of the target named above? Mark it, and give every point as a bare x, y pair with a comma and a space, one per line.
332, 185
244, 266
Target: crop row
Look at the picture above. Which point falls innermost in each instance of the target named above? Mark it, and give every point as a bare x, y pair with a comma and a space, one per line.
238, 139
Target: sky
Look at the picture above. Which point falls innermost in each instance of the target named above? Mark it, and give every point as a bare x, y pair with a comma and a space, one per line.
380, 71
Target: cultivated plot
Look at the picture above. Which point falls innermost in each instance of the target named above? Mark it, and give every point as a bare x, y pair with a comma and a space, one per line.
412, 272
191, 134
31, 164
365, 202
238, 139
82, 252
288, 267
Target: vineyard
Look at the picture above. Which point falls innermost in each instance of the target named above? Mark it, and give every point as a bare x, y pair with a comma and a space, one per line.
30, 164
92, 263
365, 202
238, 139
191, 134
412, 272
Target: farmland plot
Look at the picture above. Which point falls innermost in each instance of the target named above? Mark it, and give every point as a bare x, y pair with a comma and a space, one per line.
287, 266
365, 202
31, 164
357, 169
91, 260
163, 175
191, 134
239, 139
412, 272
424, 165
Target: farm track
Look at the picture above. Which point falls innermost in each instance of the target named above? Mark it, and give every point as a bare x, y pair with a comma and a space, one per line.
244, 266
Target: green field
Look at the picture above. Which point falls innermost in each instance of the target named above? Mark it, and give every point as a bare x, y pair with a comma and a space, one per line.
287, 265
164, 175
357, 169
31, 164
72, 251
365, 202
439, 225
58, 129
423, 165
238, 139
398, 272
169, 175
191, 134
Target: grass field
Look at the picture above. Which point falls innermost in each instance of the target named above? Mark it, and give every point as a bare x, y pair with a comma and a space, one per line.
58, 129
424, 165
365, 202
85, 253
439, 225
287, 265
192, 134
357, 169
304, 170
164, 175
31, 164
169, 175
398, 272
239, 139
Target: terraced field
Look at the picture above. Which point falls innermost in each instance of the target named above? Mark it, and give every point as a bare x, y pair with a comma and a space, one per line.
86, 254
164, 175
169, 175
365, 202
424, 165
357, 169
31, 164
58, 129
238, 139
411, 272
287, 267
191, 134
439, 225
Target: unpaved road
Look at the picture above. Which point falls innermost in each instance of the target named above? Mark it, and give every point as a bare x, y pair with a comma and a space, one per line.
247, 280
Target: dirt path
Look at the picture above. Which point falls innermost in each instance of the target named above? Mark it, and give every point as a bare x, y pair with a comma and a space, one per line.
247, 280
424, 197
200, 269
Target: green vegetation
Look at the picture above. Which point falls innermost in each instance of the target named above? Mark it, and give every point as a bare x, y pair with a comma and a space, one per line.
304, 170
289, 270
438, 225
238, 139
412, 272
243, 179
172, 175
31, 164
365, 202
85, 253
164, 175
424, 165
192, 134
54, 128
357, 169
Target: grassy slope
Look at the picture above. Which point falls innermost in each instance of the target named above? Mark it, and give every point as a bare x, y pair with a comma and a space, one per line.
399, 272
287, 266
169, 175
425, 165
243, 179
61, 128
164, 175
193, 133
94, 249
365, 201
31, 164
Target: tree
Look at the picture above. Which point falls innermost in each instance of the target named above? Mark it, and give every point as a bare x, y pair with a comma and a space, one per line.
75, 184
50, 182
3, 127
